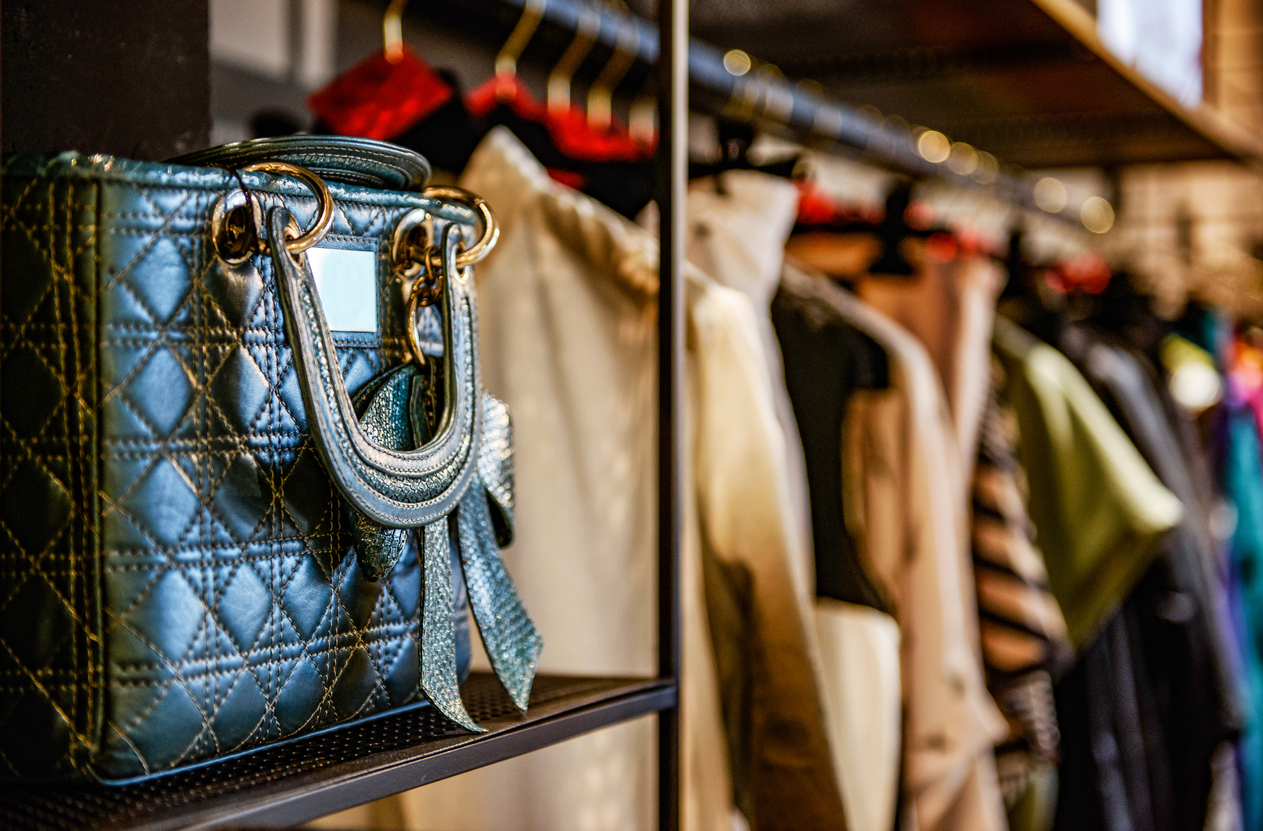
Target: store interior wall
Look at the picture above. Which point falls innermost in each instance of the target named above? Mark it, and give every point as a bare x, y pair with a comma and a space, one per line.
1198, 227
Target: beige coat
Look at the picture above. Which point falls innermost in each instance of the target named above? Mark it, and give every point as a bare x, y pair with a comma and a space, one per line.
737, 229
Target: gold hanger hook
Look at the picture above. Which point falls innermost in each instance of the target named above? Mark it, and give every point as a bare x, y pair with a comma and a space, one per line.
506, 61
601, 95
586, 31
642, 116
392, 30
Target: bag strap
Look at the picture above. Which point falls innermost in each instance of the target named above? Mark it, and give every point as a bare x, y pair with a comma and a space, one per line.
345, 159
398, 489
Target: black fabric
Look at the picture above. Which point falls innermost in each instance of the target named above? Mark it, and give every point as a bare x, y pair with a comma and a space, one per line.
826, 361
446, 137
1168, 663
625, 187
1103, 784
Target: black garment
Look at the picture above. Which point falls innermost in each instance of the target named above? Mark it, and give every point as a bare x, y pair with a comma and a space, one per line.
1158, 683
1103, 779
446, 137
826, 360
625, 187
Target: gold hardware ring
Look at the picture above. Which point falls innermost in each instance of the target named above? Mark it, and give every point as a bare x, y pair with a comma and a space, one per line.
426, 290
324, 219
490, 228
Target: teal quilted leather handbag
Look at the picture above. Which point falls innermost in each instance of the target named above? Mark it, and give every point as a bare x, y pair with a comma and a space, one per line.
250, 479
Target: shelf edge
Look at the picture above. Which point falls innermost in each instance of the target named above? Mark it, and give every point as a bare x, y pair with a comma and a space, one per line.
279, 807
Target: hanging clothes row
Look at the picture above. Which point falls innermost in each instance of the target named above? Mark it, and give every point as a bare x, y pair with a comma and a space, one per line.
941, 569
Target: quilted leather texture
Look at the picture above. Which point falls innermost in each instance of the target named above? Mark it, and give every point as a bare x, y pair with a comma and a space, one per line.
177, 581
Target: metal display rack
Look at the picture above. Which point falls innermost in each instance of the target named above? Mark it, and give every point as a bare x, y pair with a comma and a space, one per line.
310, 777
766, 100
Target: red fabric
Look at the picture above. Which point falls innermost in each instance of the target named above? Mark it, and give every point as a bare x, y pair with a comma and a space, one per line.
576, 138
1088, 274
816, 207
569, 129
942, 247
569, 178
378, 99
511, 92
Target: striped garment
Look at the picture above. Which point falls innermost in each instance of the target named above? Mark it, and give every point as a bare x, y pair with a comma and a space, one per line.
1023, 633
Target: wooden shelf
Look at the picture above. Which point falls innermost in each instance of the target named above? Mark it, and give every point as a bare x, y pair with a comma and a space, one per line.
1028, 80
309, 778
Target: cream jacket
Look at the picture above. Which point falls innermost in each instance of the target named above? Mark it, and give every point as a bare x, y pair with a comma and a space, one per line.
737, 227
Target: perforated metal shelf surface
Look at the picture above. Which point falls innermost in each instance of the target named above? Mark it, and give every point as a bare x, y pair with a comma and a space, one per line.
309, 778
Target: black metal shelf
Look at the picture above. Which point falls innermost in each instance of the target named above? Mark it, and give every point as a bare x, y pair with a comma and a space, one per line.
312, 777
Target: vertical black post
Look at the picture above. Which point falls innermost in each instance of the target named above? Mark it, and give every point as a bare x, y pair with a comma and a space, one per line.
671, 170
125, 77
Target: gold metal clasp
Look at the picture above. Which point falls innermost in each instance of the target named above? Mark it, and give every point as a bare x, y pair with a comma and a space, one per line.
324, 218
490, 228
236, 226
426, 290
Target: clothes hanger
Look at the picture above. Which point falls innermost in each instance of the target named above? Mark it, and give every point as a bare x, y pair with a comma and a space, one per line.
599, 137
392, 31
504, 99
507, 81
736, 137
892, 231
602, 156
736, 134
605, 164
560, 79
642, 117
1017, 282
848, 245
601, 93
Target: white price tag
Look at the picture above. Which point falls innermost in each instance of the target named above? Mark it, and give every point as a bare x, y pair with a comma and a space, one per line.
347, 282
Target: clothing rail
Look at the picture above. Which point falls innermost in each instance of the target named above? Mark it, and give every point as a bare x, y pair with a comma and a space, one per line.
766, 99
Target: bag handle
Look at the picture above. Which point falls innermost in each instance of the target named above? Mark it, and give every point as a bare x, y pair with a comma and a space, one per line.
394, 488
398, 489
345, 159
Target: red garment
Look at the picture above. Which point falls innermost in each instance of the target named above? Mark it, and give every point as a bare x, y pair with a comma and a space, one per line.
569, 128
1088, 274
576, 138
816, 207
509, 91
378, 99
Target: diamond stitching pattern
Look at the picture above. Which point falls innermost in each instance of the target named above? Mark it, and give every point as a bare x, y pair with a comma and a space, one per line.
200, 575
